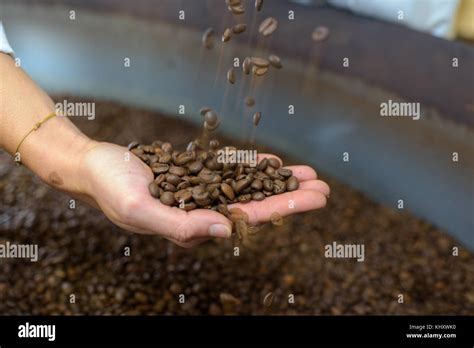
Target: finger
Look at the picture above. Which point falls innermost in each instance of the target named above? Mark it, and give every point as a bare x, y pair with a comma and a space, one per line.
284, 204
303, 173
181, 244
174, 223
317, 185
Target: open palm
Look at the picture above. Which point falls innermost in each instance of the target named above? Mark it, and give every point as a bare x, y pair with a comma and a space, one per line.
117, 182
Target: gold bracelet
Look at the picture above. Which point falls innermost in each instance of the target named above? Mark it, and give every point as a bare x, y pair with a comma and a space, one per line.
37, 125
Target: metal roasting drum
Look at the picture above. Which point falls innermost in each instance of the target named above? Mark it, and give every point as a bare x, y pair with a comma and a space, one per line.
336, 108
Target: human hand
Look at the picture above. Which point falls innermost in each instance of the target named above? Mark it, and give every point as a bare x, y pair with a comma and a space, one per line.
120, 189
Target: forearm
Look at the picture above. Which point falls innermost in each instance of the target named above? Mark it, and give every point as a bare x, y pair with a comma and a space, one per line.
55, 150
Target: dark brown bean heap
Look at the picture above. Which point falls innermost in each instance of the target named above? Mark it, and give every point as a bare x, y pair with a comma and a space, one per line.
195, 178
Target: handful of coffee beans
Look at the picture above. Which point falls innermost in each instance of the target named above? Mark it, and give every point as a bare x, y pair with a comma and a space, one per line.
197, 178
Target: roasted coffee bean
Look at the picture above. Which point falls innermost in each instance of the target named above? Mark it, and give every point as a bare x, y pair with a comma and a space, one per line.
260, 175
165, 158
258, 4
228, 174
279, 186
268, 299
241, 229
211, 128
168, 186
237, 9
272, 161
148, 149
260, 62
245, 198
214, 144
155, 190
195, 180
252, 230
183, 185
285, 172
211, 118
259, 71
204, 109
236, 214
275, 61
213, 164
173, 179
256, 118
200, 195
239, 28
247, 65
189, 206
276, 219
257, 184
132, 145
292, 184
179, 171
249, 101
167, 198
152, 159
263, 164
222, 208
233, 2
160, 178
184, 157
159, 168
258, 196
167, 147
195, 167
136, 151
214, 194
250, 170
267, 193
242, 184
231, 75
208, 38
268, 185
268, 26
227, 191
183, 196
227, 35
320, 34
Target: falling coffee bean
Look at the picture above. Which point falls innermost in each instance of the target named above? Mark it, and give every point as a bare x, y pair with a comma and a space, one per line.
275, 61
268, 299
259, 71
227, 35
260, 62
256, 118
247, 65
208, 38
268, 26
320, 34
249, 101
231, 75
276, 219
204, 109
258, 4
239, 28
237, 9
211, 118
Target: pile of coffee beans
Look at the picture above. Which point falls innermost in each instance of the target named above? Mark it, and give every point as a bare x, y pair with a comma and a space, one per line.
82, 253
196, 178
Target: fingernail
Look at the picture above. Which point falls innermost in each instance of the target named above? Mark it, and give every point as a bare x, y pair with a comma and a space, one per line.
220, 231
